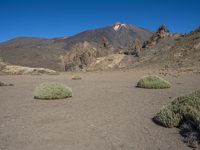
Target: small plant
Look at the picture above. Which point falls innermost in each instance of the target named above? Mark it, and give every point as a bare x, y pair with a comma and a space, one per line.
76, 77
52, 91
153, 82
183, 112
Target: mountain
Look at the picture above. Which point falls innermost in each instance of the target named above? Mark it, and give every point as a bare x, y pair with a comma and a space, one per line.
116, 46
51, 53
117, 34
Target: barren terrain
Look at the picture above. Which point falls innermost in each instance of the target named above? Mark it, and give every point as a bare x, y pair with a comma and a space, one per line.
106, 112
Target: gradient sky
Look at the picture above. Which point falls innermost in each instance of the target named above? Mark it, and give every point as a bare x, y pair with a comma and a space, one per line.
56, 18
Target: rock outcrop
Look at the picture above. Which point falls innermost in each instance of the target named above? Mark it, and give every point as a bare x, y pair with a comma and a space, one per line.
134, 48
161, 33
109, 62
83, 54
21, 70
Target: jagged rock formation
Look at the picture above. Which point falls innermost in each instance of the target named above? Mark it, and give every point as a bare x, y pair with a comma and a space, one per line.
161, 33
105, 43
79, 56
83, 54
134, 48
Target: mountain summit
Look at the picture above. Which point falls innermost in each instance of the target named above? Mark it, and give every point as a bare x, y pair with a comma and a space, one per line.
119, 35
118, 26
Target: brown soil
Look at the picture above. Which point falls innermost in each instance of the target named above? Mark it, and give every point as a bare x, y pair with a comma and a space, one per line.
106, 112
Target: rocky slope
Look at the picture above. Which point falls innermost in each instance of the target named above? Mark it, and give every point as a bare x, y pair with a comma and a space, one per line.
32, 52
174, 51
163, 50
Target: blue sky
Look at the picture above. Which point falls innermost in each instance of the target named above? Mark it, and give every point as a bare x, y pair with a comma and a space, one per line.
55, 18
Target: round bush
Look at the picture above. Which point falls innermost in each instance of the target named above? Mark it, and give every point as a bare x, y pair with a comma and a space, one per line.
153, 82
181, 109
183, 112
76, 77
167, 118
52, 91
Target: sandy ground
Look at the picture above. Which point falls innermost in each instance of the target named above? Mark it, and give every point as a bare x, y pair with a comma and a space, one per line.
106, 112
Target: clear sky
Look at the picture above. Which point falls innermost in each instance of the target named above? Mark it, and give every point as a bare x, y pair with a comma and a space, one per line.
55, 18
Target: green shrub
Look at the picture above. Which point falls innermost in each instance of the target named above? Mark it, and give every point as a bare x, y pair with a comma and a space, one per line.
184, 107
76, 77
183, 111
166, 117
52, 91
153, 82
